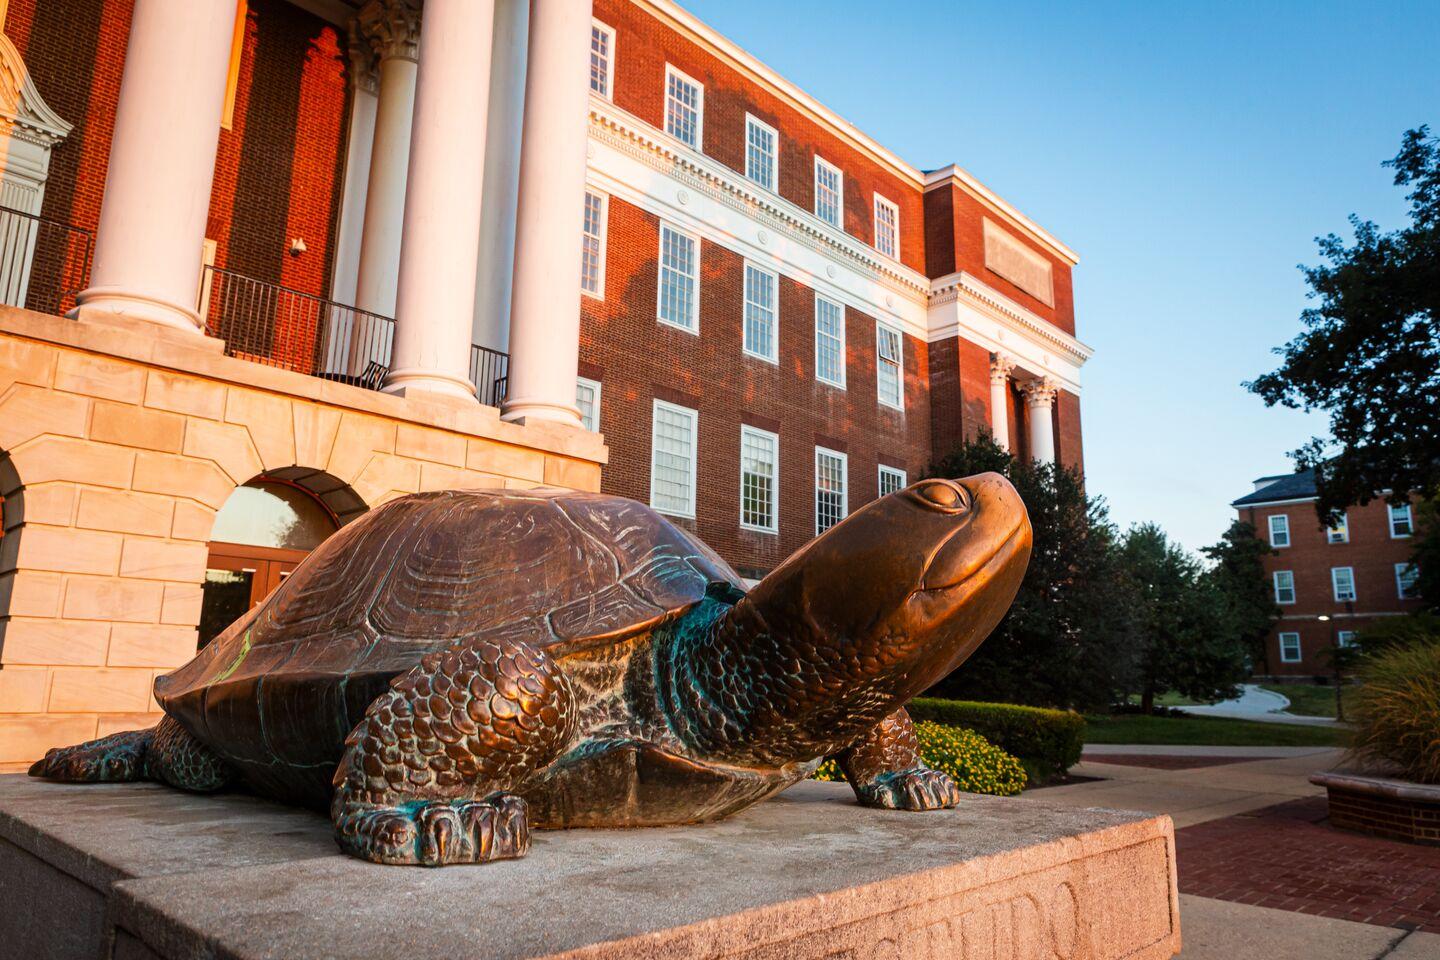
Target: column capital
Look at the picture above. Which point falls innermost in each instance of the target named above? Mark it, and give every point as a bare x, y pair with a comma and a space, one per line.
364, 66
1000, 367
1040, 392
392, 27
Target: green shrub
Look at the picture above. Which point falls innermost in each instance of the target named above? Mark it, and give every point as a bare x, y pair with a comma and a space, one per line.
976, 765
1398, 709
1048, 742
1415, 628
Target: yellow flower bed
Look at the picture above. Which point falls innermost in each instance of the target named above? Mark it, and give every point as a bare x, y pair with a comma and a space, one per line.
976, 764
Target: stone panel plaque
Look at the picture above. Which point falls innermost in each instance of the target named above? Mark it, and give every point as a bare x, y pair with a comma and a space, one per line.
1019, 264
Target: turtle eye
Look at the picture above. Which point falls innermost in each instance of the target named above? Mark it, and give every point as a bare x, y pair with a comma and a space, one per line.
942, 494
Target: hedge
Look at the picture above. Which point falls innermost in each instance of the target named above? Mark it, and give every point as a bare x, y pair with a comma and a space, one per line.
976, 765
1048, 742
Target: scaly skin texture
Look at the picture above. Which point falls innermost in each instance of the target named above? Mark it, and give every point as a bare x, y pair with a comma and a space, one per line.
166, 753
885, 769
426, 775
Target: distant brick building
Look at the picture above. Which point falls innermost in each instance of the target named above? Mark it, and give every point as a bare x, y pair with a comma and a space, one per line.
1330, 583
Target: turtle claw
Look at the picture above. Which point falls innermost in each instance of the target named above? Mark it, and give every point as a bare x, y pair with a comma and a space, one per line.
436, 833
918, 789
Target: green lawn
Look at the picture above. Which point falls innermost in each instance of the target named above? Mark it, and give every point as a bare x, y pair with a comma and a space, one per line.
1208, 731
1309, 700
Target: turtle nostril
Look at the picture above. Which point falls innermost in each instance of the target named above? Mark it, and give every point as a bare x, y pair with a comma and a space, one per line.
942, 493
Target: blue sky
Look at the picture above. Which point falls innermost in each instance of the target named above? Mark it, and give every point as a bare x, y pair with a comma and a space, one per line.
1190, 152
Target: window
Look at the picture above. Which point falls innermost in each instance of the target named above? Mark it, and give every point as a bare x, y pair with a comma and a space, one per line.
891, 480
1400, 523
829, 193
830, 476
1407, 581
759, 313
829, 342
1280, 530
888, 366
759, 486
602, 59
1345, 638
587, 398
1343, 580
1340, 533
1289, 648
887, 227
761, 145
679, 266
672, 459
684, 107
1284, 586
592, 254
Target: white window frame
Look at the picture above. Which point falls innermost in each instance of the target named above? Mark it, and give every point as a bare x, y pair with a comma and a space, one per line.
672, 71
894, 209
837, 384
1284, 530
1335, 584
660, 269
1409, 520
599, 292
893, 472
595, 386
774, 439
1345, 638
1275, 580
753, 121
694, 417
844, 486
839, 222
1340, 533
899, 402
1299, 654
609, 31
1400, 569
774, 355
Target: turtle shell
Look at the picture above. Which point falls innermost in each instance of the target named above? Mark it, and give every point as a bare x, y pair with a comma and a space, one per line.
283, 686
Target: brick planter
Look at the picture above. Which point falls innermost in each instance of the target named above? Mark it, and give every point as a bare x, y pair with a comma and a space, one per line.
1382, 807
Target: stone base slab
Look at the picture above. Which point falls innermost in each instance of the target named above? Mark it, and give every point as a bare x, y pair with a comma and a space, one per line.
140, 872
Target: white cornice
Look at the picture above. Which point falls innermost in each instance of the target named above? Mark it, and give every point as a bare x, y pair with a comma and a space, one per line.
965, 287
966, 181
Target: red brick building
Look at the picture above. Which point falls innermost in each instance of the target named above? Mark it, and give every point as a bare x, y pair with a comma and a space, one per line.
1329, 582
801, 318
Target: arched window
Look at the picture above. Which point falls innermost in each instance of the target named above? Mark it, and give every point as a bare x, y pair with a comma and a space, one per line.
261, 533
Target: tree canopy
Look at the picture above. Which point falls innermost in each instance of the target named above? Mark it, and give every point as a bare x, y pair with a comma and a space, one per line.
1370, 352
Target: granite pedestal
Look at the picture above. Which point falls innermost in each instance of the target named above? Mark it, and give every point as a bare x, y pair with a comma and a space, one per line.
139, 872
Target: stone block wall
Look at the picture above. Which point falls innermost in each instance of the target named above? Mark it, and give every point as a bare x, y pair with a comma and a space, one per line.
118, 446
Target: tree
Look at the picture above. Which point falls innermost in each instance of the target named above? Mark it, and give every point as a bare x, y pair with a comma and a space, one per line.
1066, 640
1370, 351
1427, 553
1238, 573
1189, 637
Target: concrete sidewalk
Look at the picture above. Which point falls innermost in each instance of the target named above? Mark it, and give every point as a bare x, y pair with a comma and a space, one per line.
1257, 703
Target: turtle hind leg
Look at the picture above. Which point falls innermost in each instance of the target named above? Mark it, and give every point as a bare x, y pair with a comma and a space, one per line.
165, 753
427, 776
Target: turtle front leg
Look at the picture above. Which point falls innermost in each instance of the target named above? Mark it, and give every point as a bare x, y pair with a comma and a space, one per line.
426, 776
885, 770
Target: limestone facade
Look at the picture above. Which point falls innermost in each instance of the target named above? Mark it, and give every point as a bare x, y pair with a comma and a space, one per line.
118, 446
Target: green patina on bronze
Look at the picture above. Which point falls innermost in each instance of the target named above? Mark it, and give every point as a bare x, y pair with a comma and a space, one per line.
454, 668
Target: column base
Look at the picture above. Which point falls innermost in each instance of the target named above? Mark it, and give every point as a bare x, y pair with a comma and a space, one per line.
523, 410
100, 303
412, 383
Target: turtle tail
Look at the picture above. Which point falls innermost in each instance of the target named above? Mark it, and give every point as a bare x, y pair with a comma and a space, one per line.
166, 753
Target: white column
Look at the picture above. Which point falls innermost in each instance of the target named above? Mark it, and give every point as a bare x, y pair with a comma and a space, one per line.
162, 163
1039, 403
545, 310
441, 238
1000, 367
393, 27
364, 102
502, 174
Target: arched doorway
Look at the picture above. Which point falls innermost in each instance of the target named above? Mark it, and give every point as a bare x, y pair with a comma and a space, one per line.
260, 535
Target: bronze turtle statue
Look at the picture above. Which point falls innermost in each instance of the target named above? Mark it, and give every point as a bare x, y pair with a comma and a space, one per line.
454, 668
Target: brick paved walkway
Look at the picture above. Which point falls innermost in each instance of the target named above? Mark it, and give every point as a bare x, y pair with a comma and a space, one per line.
1288, 857
1164, 762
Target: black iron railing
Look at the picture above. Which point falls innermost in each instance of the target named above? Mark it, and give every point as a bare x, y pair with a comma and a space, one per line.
43, 262
283, 327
